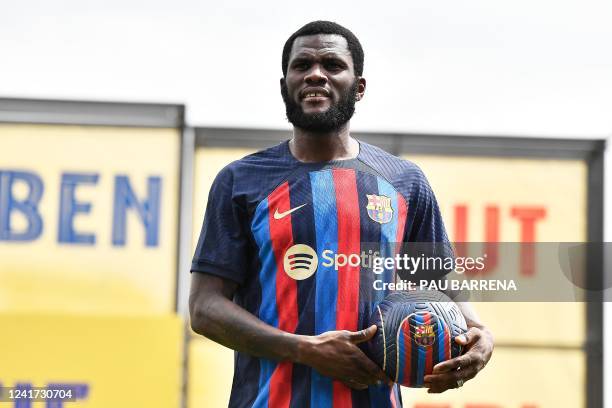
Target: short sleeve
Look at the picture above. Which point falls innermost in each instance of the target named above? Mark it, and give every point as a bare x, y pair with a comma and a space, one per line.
425, 231
424, 222
223, 243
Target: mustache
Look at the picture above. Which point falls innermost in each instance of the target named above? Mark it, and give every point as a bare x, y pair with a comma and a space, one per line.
335, 116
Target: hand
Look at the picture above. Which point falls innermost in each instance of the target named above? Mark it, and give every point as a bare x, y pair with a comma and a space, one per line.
478, 343
335, 354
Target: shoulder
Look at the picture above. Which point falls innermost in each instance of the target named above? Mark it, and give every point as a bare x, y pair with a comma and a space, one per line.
403, 174
248, 180
386, 163
256, 165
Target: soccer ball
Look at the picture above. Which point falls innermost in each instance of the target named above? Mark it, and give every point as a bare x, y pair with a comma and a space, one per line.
415, 331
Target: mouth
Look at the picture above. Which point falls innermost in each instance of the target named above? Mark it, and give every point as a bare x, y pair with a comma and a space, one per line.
314, 95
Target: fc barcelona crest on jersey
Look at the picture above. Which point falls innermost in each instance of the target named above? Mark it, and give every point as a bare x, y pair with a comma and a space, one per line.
379, 208
424, 335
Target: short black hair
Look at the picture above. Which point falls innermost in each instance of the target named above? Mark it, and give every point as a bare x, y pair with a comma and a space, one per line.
326, 27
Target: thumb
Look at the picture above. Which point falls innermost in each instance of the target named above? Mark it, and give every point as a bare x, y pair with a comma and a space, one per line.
461, 339
465, 338
363, 335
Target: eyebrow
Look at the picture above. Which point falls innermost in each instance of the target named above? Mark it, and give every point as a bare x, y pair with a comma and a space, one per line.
325, 59
327, 55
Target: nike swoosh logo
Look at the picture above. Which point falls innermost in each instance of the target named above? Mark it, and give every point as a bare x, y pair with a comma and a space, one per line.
278, 216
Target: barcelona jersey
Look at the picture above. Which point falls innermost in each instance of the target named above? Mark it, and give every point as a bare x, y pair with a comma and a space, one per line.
297, 238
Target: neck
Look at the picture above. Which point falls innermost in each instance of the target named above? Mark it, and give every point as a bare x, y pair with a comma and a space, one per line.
312, 147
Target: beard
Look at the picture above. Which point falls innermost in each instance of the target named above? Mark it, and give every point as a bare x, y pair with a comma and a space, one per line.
334, 117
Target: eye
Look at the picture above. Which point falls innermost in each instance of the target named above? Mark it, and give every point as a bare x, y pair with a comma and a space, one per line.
300, 65
333, 66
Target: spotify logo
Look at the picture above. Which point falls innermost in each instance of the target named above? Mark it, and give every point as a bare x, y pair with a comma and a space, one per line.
300, 261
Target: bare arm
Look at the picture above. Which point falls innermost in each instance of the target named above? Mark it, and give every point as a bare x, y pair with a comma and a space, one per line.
215, 316
334, 354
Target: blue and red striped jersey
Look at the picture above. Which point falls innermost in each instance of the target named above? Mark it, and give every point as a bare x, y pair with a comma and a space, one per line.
296, 237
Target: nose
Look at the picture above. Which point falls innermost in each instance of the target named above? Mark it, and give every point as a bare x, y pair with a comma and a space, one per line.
315, 75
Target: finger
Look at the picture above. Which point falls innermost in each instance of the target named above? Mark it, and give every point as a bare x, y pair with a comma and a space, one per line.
382, 377
442, 368
363, 335
471, 373
364, 378
355, 385
436, 388
461, 339
450, 379
373, 370
364, 374
471, 336
463, 361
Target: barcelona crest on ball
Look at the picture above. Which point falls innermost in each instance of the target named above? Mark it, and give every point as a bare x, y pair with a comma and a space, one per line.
424, 335
379, 208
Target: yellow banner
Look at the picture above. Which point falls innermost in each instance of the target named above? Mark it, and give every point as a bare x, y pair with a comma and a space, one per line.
107, 361
88, 219
211, 369
509, 199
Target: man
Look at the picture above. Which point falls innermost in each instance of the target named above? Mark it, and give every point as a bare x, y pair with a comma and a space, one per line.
261, 284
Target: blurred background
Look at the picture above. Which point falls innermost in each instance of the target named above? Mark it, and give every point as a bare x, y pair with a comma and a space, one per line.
115, 118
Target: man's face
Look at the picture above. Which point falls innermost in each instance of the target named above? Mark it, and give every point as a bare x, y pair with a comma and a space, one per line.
320, 88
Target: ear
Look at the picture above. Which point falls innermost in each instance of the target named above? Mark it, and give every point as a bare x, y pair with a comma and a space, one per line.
361, 86
282, 81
